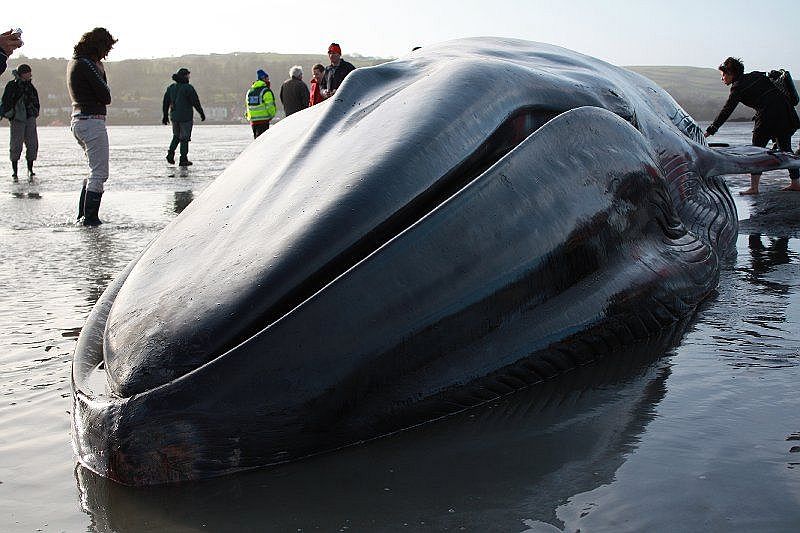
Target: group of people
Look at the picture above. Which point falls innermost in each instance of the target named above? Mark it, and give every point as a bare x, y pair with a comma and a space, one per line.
180, 99
775, 120
295, 95
88, 88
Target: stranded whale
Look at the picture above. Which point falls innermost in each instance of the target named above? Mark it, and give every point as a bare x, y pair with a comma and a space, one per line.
455, 225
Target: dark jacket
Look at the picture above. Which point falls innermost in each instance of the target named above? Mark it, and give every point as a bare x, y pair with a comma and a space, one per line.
179, 99
3, 59
294, 95
774, 115
334, 76
88, 87
16, 89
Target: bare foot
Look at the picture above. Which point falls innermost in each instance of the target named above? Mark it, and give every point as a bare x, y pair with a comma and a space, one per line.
793, 187
749, 192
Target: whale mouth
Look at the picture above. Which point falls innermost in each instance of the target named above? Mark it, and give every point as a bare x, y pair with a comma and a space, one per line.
518, 126
514, 130
161, 355
129, 372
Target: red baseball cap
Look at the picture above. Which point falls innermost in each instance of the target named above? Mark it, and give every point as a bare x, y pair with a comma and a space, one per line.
335, 49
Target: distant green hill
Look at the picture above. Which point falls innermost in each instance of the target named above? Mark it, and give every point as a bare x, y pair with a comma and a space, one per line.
221, 80
698, 90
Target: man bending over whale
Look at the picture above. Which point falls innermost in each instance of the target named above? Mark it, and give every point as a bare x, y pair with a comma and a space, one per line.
775, 118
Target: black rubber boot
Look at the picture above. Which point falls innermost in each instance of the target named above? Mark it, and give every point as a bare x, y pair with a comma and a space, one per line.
171, 157
14, 165
31, 173
81, 201
90, 208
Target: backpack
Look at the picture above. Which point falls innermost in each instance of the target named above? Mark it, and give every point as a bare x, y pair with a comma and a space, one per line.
784, 83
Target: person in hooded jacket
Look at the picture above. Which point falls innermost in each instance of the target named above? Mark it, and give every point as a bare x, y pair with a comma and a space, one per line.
775, 117
20, 105
180, 101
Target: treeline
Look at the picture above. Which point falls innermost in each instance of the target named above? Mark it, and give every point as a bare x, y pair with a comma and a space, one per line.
221, 81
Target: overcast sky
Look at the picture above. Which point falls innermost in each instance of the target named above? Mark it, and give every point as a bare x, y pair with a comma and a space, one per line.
631, 32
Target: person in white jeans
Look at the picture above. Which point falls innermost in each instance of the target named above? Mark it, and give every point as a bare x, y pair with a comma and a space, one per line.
88, 87
91, 134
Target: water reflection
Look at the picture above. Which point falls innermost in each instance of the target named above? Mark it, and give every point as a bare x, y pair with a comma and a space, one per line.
71, 333
490, 468
179, 172
763, 259
772, 213
755, 320
97, 256
182, 200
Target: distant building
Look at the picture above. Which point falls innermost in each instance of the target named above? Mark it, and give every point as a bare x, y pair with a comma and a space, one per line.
216, 113
124, 112
52, 112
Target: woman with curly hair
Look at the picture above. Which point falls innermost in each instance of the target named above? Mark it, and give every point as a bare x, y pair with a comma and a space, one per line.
88, 88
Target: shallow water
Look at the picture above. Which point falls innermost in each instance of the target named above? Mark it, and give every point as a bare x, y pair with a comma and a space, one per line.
700, 436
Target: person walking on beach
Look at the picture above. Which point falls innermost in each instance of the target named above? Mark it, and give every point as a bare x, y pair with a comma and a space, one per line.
88, 88
775, 118
10, 40
180, 101
20, 105
317, 71
294, 91
260, 104
336, 72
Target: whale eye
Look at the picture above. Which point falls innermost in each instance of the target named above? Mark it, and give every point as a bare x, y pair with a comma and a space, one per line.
515, 129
